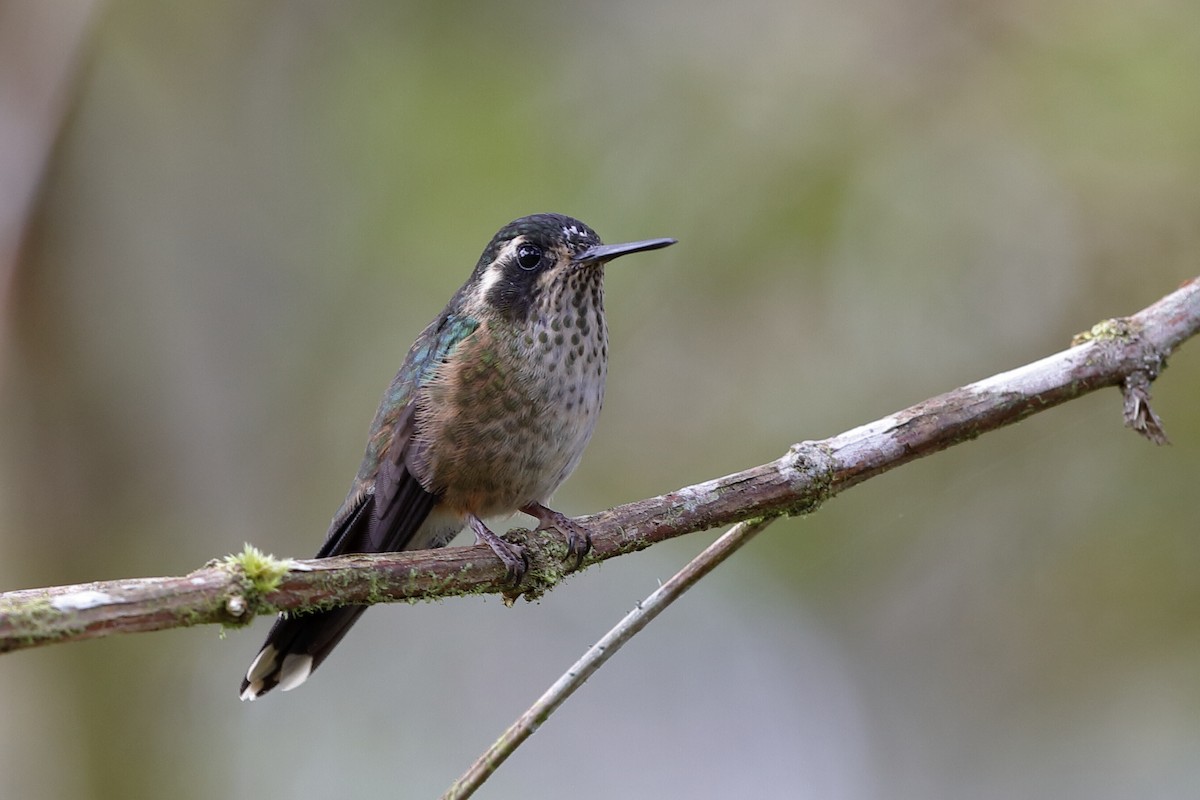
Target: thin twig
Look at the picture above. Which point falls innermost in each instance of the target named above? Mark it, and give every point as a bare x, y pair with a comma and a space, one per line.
1128, 352
600, 652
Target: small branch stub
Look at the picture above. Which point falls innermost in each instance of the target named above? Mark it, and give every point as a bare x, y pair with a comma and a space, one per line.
1138, 413
235, 606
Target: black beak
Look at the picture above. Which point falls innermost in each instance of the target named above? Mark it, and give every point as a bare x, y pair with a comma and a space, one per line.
607, 252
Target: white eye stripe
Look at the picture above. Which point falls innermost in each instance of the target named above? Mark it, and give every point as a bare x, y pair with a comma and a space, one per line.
491, 276
495, 271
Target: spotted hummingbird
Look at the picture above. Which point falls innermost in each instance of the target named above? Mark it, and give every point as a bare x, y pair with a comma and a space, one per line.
488, 415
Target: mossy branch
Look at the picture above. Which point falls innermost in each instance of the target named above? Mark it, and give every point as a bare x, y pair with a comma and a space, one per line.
1128, 352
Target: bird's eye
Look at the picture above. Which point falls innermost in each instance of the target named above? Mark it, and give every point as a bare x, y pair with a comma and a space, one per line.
529, 256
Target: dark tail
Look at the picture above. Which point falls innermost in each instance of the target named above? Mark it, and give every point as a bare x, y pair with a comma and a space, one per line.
297, 645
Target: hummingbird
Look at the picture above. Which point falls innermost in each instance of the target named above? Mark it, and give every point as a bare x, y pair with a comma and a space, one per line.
490, 412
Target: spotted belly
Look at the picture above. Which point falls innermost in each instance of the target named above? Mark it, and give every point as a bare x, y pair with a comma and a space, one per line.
507, 423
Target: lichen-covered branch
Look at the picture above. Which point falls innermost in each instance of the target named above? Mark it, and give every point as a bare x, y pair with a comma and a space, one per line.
1128, 352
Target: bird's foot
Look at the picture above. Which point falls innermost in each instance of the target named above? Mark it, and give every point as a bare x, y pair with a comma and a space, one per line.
579, 542
513, 555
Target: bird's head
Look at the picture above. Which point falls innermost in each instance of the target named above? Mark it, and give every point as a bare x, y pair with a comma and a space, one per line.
535, 256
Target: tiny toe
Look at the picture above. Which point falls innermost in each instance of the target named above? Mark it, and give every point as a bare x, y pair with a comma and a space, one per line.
579, 544
511, 555
517, 564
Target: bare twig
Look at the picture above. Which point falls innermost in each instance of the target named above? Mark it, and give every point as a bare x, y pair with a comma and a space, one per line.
601, 651
233, 592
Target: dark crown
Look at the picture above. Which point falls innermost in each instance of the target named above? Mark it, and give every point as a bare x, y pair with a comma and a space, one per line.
543, 230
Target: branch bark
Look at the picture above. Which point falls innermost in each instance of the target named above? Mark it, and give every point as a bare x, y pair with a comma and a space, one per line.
1128, 352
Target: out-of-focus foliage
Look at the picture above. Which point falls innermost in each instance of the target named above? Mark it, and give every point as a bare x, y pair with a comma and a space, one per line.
254, 207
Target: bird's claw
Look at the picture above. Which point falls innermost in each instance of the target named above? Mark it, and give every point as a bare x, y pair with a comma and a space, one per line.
579, 541
510, 554
515, 562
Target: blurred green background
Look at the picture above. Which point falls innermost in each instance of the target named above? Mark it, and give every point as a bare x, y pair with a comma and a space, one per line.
250, 209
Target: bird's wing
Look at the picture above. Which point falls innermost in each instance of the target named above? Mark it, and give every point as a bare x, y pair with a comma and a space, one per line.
386, 507
387, 503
